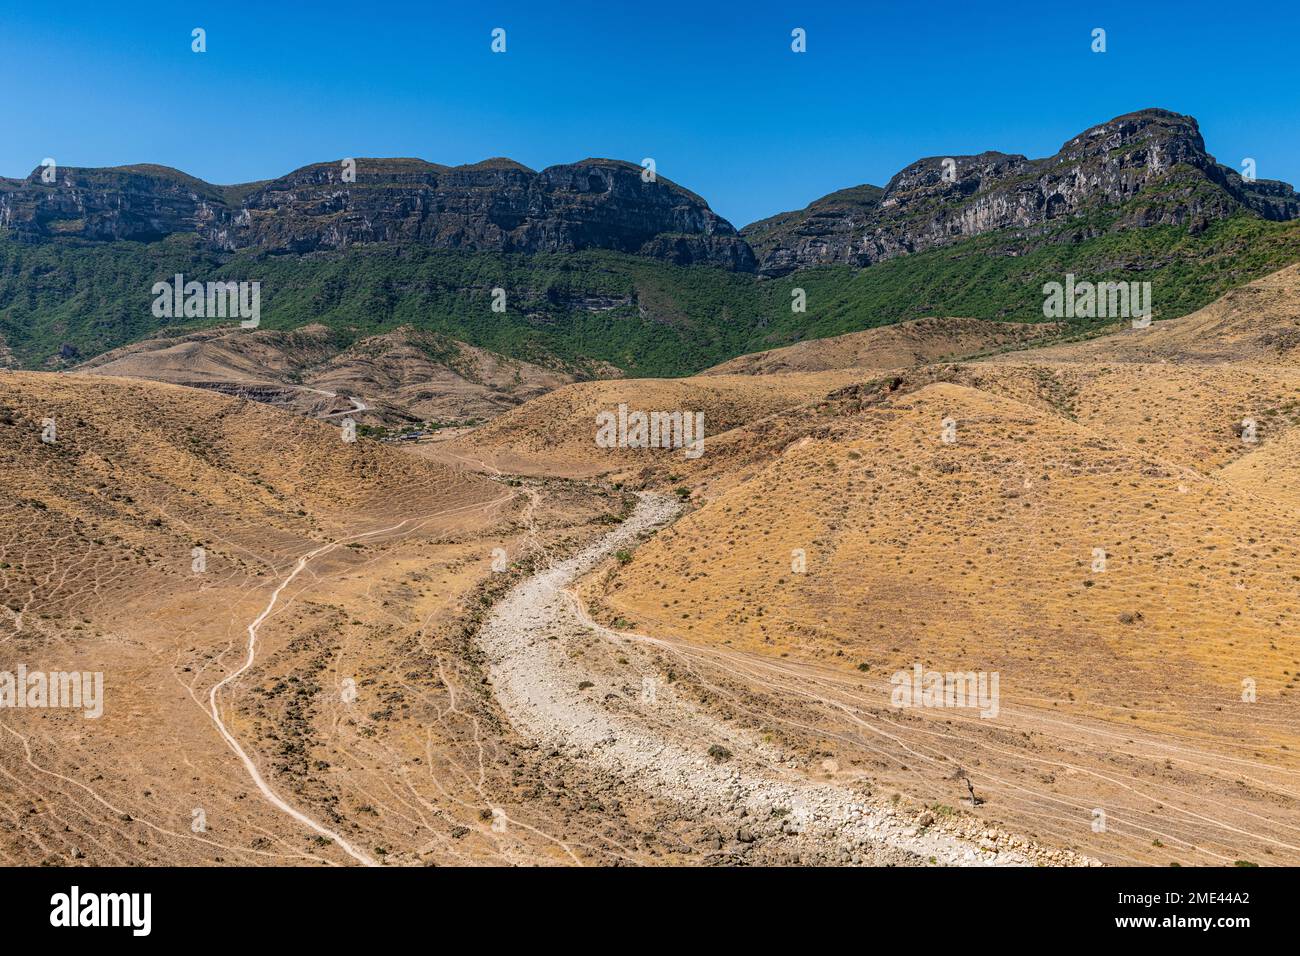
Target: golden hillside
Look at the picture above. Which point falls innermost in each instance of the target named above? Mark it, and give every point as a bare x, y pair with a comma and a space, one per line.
403, 375
1257, 323
1104, 534
150, 468
915, 342
1190, 414
1096, 536
982, 547
431, 377
358, 561
556, 434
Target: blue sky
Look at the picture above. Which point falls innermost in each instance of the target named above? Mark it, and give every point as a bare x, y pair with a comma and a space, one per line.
711, 91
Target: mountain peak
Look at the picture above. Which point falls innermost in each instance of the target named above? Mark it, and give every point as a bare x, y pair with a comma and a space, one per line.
497, 162
1139, 169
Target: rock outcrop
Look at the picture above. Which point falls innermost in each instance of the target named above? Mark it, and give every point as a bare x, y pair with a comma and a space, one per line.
497, 206
1141, 169
1138, 170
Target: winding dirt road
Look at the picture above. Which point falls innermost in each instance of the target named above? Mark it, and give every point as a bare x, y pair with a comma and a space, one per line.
256, 775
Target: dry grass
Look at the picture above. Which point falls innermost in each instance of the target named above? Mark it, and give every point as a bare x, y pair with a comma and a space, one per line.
401, 375
915, 342
556, 434
96, 574
978, 556
1121, 688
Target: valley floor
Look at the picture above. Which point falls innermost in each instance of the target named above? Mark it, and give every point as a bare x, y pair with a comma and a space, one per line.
510, 646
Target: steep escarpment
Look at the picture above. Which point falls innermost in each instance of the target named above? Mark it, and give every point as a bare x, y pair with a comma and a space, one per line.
1142, 169
496, 206
823, 233
143, 203
597, 265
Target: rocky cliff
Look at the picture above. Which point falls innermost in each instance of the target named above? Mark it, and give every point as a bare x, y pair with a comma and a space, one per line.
1141, 169
496, 205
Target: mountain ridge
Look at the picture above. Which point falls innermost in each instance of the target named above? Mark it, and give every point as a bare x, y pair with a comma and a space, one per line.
602, 268
1141, 168
495, 205
1150, 166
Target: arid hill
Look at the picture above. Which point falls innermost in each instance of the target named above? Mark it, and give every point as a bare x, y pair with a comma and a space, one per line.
1257, 323
403, 375
889, 514
1106, 584
556, 434
1114, 538
916, 342
147, 538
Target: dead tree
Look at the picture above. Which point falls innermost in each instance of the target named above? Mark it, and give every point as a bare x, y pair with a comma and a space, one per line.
960, 774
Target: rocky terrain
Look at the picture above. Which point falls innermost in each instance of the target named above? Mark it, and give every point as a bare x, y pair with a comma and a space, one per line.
1141, 169
497, 205
588, 268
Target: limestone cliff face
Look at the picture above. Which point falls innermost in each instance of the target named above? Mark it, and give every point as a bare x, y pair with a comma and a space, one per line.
125, 202
496, 205
1141, 169
828, 231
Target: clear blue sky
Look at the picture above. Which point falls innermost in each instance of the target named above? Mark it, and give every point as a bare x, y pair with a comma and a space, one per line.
710, 90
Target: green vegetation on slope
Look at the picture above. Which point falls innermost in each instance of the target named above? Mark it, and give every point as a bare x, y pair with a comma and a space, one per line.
68, 300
